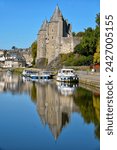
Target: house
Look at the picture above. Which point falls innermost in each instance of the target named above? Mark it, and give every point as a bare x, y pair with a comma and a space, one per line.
2, 59
14, 60
13, 63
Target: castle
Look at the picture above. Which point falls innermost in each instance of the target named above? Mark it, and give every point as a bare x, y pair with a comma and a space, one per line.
54, 38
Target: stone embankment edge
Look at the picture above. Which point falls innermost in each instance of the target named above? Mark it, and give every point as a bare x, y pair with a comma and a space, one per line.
91, 79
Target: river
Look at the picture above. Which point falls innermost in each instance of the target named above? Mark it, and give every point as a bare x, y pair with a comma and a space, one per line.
47, 115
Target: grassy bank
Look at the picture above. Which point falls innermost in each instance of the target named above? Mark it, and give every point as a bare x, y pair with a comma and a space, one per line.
17, 70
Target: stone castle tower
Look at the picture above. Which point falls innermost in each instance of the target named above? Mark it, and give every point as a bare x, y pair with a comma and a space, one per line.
54, 38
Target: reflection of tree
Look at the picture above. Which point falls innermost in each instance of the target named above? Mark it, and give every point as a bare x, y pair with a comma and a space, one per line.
34, 93
89, 105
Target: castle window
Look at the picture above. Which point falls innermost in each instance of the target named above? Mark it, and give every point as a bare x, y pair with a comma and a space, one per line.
52, 30
52, 37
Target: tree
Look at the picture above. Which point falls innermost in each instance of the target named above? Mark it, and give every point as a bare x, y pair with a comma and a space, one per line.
88, 43
73, 33
34, 51
97, 20
80, 34
13, 47
96, 57
5, 53
97, 29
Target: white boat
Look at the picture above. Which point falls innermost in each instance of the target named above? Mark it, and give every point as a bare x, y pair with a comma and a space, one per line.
30, 73
34, 75
67, 75
45, 75
26, 73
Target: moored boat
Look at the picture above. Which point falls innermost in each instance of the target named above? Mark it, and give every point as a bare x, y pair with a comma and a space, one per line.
34, 75
67, 75
30, 73
45, 75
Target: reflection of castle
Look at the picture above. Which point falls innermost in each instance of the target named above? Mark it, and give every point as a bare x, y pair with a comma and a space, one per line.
53, 104
54, 109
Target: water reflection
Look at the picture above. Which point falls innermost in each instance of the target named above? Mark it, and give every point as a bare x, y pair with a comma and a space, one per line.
54, 108
55, 102
89, 105
9, 82
66, 88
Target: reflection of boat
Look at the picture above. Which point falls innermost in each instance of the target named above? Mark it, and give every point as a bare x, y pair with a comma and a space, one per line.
25, 79
67, 75
66, 88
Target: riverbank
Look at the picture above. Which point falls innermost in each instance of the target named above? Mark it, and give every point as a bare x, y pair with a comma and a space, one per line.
85, 77
89, 78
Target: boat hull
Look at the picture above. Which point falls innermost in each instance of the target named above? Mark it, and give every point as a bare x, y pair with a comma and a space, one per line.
68, 79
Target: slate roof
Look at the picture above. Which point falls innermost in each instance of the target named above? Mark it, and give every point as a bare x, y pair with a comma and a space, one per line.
57, 13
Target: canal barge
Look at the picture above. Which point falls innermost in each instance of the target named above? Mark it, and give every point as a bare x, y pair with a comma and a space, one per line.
40, 75
67, 75
30, 73
45, 75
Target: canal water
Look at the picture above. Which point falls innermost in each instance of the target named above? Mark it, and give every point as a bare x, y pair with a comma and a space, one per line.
47, 115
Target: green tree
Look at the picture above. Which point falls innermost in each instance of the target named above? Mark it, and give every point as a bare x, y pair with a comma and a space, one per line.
96, 57
73, 33
80, 34
97, 29
13, 47
89, 47
5, 53
88, 43
97, 20
34, 51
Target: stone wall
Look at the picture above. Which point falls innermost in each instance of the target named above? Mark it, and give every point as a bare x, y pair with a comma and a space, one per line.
66, 45
41, 46
28, 57
53, 41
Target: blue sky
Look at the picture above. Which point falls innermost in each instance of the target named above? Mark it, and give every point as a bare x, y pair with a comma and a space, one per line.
20, 20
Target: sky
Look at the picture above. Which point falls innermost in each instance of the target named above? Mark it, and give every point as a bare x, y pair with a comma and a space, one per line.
20, 20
